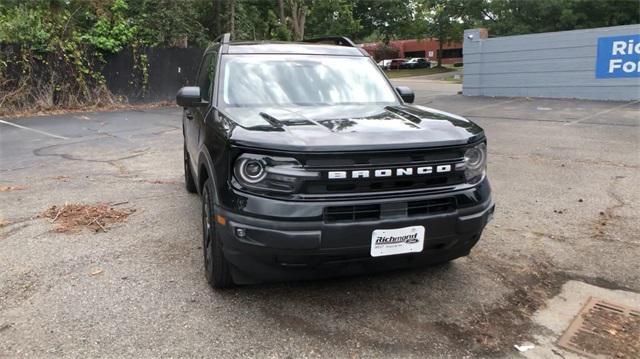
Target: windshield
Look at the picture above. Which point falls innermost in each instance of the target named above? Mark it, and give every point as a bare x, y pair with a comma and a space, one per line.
302, 80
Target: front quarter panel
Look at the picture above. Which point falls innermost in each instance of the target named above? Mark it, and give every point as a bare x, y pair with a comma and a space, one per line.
214, 152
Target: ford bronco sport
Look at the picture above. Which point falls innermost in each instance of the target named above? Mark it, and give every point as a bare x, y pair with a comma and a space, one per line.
310, 164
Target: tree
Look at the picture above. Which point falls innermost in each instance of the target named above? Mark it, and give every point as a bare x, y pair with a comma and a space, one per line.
332, 17
232, 18
166, 23
384, 19
281, 11
513, 17
442, 20
298, 10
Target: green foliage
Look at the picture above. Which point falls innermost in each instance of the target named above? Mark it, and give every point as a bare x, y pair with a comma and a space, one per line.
112, 31
512, 17
24, 25
166, 23
257, 20
52, 50
389, 19
330, 17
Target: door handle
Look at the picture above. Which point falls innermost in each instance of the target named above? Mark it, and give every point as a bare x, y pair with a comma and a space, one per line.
189, 115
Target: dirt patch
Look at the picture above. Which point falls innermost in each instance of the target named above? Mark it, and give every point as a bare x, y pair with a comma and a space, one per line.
12, 188
495, 330
71, 218
606, 217
4, 223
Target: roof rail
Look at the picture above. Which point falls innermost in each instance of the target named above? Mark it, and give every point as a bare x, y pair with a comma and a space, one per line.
336, 40
224, 38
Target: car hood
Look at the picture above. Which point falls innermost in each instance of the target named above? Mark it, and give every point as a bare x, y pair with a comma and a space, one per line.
352, 127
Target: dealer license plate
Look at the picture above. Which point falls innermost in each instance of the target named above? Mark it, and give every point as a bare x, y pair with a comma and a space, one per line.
387, 242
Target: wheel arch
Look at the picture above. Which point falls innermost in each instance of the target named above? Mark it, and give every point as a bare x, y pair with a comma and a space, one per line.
205, 171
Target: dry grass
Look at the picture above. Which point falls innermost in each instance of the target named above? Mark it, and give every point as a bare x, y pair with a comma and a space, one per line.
103, 107
72, 217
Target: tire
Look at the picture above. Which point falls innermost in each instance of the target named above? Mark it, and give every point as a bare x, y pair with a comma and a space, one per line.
216, 267
189, 182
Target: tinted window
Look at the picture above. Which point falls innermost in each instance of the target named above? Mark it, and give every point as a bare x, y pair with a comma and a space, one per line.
206, 76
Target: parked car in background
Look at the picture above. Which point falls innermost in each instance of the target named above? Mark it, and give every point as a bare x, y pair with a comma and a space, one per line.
416, 63
384, 64
396, 64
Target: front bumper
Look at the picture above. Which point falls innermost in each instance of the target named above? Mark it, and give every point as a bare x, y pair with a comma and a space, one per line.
268, 249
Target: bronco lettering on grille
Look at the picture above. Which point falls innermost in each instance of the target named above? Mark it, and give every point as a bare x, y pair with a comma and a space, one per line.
389, 172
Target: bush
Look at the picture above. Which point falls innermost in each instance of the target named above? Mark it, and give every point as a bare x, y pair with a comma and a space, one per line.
384, 51
458, 64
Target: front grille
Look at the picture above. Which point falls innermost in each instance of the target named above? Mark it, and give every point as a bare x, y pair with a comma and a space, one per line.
372, 161
372, 212
434, 206
352, 213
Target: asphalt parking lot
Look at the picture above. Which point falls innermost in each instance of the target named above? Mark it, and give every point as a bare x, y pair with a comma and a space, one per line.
565, 176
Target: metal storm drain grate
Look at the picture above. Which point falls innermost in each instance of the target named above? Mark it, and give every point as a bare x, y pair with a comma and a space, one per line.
604, 330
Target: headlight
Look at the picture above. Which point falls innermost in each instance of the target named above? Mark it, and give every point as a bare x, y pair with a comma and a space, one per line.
250, 170
271, 174
475, 160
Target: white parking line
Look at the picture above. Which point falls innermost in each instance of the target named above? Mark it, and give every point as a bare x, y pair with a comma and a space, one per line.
601, 113
34, 130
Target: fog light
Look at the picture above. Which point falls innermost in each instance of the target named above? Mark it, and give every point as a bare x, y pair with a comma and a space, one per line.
241, 232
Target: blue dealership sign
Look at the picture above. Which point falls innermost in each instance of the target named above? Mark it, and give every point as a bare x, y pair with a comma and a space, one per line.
618, 56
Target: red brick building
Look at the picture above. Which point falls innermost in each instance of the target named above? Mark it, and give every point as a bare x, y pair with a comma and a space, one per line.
427, 48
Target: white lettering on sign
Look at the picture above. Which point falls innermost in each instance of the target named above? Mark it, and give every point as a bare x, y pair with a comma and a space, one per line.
625, 48
614, 64
618, 57
628, 67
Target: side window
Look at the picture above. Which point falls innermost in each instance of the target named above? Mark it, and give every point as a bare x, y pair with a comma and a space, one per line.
206, 76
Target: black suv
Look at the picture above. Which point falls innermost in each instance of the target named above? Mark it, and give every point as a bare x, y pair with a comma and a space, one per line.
310, 164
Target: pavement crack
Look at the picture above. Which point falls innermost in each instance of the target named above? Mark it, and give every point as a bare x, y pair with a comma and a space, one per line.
610, 215
13, 229
40, 152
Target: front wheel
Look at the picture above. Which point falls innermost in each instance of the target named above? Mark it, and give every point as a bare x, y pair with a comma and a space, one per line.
216, 267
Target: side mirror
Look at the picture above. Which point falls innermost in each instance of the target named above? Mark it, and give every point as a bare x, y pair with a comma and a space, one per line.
188, 96
406, 93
